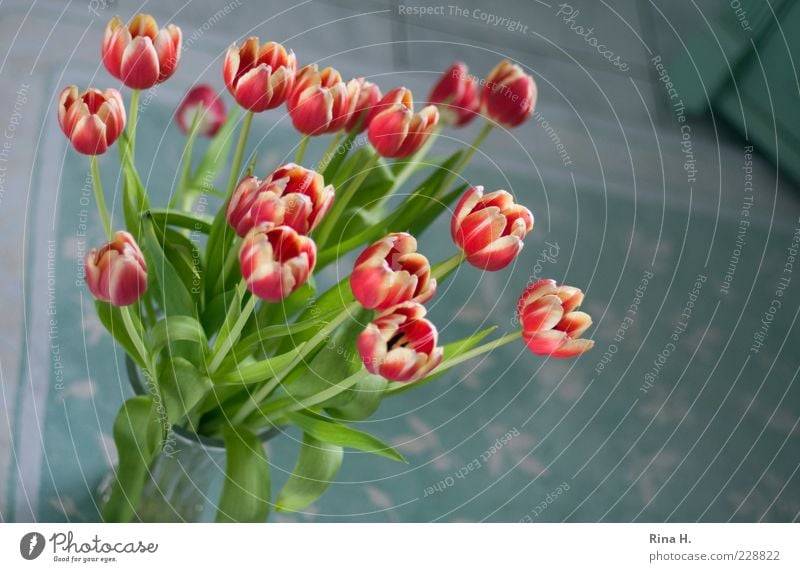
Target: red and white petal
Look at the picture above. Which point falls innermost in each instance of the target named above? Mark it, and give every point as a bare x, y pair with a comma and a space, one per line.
497, 255
545, 343
573, 348
140, 67
543, 314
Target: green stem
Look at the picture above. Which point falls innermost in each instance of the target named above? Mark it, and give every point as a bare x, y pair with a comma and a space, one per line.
301, 150
466, 356
133, 334
230, 334
265, 390
236, 166
99, 197
132, 117
230, 261
465, 158
482, 349
340, 204
186, 159
328, 154
446, 267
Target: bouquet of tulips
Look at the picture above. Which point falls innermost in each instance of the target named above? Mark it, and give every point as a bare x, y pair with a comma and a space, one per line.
222, 315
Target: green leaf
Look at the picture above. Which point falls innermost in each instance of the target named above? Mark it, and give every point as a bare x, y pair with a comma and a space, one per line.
176, 329
338, 157
183, 386
423, 198
451, 350
111, 318
215, 310
360, 401
259, 371
333, 361
278, 331
180, 219
328, 431
425, 218
171, 292
246, 492
216, 156
138, 436
331, 301
316, 467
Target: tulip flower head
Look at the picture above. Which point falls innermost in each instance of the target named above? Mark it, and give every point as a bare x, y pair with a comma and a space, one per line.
117, 272
201, 99
92, 120
276, 261
292, 195
366, 98
456, 95
509, 95
321, 102
139, 54
400, 345
260, 78
550, 323
390, 272
395, 131
490, 228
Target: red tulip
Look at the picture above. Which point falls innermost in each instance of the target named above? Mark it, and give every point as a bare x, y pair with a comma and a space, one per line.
550, 323
140, 54
391, 272
276, 261
395, 130
400, 345
489, 229
456, 94
92, 120
259, 78
292, 195
366, 99
508, 95
201, 99
321, 102
117, 272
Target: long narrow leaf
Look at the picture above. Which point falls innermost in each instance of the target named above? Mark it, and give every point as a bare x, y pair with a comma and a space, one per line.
328, 431
246, 492
138, 436
316, 468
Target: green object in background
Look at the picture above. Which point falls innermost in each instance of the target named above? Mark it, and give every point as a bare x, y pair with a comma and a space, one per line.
740, 70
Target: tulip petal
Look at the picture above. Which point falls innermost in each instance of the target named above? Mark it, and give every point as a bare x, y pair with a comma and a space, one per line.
140, 67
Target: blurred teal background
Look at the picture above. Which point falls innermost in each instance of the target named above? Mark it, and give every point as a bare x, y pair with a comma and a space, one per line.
636, 201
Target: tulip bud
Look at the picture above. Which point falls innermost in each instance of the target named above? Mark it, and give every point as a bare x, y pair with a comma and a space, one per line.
550, 324
117, 272
276, 261
489, 229
91, 120
398, 132
292, 195
366, 99
400, 345
259, 78
140, 54
201, 99
456, 95
391, 272
508, 95
321, 102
